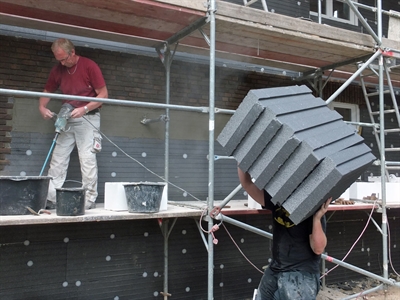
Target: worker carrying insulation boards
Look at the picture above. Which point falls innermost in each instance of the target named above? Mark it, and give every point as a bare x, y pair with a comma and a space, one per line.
78, 76
295, 268
294, 157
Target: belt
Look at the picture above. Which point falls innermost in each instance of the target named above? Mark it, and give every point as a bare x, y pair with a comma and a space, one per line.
92, 112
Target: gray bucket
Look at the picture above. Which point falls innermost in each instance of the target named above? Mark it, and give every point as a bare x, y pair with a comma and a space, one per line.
144, 197
19, 192
70, 201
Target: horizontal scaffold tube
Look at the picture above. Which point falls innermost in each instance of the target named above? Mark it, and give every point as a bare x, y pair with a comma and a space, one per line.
19, 93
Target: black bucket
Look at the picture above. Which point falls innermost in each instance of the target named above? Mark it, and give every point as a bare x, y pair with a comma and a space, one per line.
144, 197
70, 201
19, 192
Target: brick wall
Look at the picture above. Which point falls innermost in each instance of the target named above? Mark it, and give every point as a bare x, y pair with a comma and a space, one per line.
5, 129
26, 63
25, 66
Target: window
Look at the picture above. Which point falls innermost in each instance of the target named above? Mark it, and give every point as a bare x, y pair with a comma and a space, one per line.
349, 112
335, 10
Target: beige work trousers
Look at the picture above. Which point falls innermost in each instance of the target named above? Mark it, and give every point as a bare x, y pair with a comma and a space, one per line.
80, 133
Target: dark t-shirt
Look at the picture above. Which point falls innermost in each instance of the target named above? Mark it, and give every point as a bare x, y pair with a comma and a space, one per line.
291, 243
81, 81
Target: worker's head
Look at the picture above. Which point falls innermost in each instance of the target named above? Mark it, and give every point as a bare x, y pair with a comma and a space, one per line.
64, 52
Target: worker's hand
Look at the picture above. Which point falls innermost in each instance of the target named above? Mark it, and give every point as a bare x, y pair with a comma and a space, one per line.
323, 209
78, 112
46, 113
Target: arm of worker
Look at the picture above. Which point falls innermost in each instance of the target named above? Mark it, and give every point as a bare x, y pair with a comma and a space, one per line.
44, 111
250, 187
318, 239
101, 93
81, 111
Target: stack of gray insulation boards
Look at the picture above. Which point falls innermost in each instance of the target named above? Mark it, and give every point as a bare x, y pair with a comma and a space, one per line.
295, 147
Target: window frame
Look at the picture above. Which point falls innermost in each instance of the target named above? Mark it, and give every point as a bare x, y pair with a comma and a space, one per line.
329, 14
354, 112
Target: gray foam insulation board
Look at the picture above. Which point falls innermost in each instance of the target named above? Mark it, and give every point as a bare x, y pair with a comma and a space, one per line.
286, 140
256, 140
250, 109
294, 147
305, 210
330, 178
267, 125
333, 137
240, 123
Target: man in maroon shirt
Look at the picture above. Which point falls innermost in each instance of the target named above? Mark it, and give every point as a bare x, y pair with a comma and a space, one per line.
78, 76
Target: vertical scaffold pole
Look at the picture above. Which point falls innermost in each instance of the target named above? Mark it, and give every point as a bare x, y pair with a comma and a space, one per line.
211, 128
382, 141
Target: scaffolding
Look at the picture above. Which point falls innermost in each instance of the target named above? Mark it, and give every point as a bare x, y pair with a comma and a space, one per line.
166, 55
382, 55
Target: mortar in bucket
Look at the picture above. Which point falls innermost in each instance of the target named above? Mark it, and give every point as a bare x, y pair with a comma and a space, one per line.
144, 197
70, 201
19, 192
